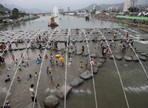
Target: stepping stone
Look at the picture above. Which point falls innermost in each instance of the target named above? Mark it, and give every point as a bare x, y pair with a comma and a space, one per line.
70, 52
99, 64
10, 49
138, 51
100, 56
95, 70
128, 58
144, 54
78, 53
43, 48
110, 57
21, 48
85, 54
48, 48
118, 57
135, 59
51, 101
77, 81
143, 58
93, 55
31, 105
102, 60
15, 49
59, 49
86, 75
60, 93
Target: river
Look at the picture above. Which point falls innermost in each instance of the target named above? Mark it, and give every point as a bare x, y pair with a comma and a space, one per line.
64, 22
118, 84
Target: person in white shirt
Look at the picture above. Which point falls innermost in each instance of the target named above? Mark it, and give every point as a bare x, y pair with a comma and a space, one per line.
92, 64
32, 93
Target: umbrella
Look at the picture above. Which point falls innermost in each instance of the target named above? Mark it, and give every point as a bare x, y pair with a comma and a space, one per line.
61, 59
57, 55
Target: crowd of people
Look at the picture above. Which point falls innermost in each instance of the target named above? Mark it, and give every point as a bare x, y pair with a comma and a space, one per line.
59, 60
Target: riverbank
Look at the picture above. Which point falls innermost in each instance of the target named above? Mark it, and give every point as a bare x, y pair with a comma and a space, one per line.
17, 22
133, 23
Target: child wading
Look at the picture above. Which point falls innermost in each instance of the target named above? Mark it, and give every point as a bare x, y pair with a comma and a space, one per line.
48, 70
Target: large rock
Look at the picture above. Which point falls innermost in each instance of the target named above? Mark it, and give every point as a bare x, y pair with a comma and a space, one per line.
77, 81
128, 58
86, 75
60, 93
135, 59
51, 101
118, 57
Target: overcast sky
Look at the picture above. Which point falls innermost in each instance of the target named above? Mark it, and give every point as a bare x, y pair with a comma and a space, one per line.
49, 4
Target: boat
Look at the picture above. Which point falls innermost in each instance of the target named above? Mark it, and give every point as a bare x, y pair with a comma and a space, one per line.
53, 23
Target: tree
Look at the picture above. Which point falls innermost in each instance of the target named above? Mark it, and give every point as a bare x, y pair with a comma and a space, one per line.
15, 13
22, 14
2, 13
87, 11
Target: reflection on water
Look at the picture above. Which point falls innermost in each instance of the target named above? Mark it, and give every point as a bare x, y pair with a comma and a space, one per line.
64, 22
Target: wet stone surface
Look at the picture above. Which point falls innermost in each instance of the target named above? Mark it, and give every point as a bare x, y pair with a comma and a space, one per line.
76, 82
135, 59
86, 75
128, 58
118, 57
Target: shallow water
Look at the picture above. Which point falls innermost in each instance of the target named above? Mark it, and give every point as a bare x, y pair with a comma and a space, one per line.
108, 87
65, 23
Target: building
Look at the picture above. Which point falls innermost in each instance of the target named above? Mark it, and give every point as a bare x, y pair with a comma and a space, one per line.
68, 9
133, 3
61, 11
130, 3
126, 6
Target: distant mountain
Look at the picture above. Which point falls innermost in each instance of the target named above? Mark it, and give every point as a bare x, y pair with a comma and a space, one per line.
103, 6
33, 10
90, 7
3, 9
106, 6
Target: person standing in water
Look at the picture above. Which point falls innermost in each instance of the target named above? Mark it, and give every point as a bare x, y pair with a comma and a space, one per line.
32, 93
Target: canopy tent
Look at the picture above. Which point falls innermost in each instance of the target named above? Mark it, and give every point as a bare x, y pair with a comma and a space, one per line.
133, 17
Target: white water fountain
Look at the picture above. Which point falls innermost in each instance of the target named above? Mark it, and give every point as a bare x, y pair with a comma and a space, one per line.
55, 12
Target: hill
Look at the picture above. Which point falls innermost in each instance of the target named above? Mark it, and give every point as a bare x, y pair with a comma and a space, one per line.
103, 6
33, 10
3, 9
